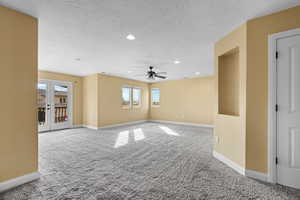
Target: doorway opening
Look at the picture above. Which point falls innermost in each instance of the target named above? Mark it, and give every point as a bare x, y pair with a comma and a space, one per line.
54, 105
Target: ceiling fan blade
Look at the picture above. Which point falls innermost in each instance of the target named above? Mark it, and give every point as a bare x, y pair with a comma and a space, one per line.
158, 76
140, 75
161, 73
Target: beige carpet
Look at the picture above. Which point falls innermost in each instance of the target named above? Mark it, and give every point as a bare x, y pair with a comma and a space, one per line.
146, 161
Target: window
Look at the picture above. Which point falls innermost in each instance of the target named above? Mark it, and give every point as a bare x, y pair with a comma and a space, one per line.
131, 96
155, 97
136, 96
126, 96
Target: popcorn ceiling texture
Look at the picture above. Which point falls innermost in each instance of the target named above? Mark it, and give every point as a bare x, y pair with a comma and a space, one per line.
162, 162
95, 32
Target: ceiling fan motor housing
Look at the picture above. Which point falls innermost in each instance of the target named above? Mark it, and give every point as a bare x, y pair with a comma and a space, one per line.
152, 74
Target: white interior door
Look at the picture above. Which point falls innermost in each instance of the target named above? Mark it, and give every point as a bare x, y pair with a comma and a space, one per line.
288, 118
54, 105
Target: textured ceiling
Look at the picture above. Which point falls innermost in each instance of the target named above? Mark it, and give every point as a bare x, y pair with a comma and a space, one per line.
83, 37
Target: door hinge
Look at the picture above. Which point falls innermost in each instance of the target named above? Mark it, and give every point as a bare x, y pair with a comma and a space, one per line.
276, 160
276, 107
276, 54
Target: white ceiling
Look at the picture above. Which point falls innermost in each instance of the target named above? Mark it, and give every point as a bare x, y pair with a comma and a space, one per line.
83, 37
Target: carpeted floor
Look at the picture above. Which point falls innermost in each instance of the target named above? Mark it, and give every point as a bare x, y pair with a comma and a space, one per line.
146, 161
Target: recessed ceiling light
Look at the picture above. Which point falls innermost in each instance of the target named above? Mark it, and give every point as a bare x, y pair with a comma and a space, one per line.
197, 73
130, 37
176, 62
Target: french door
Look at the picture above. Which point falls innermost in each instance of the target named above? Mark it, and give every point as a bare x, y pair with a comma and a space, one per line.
54, 105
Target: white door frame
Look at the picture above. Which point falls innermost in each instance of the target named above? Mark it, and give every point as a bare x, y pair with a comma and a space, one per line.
70, 102
272, 101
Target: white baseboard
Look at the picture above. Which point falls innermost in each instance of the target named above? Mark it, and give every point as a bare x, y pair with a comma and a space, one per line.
246, 172
6, 185
256, 175
90, 127
229, 162
142, 121
183, 123
115, 125
123, 124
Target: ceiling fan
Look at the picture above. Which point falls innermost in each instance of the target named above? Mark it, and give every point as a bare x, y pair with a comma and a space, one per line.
151, 74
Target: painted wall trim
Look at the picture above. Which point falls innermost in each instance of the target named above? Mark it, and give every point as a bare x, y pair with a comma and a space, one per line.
272, 96
123, 124
256, 175
143, 121
114, 125
246, 172
229, 162
90, 127
9, 184
183, 123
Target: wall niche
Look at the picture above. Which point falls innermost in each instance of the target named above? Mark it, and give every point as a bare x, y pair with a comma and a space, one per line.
229, 83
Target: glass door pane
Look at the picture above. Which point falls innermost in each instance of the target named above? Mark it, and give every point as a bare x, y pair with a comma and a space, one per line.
61, 105
43, 106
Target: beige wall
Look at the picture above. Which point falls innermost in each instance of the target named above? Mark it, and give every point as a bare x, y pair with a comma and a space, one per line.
110, 101
187, 100
77, 92
102, 101
90, 101
257, 81
102, 104
244, 139
18, 80
228, 128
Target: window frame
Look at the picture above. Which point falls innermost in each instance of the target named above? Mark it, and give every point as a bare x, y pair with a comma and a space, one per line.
140, 96
130, 97
155, 105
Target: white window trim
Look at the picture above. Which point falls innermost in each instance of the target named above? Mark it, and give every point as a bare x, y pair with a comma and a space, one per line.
130, 97
152, 105
140, 97
131, 87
